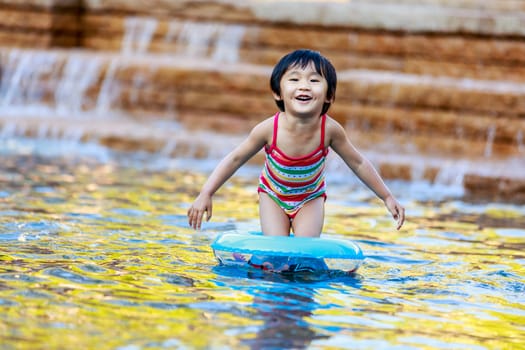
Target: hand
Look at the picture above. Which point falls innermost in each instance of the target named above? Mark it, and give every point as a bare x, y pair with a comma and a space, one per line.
203, 204
396, 209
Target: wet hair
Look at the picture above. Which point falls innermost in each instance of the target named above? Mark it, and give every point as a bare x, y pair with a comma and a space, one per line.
302, 58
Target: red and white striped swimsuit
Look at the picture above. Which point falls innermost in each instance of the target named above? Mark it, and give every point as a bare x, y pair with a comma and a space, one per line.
293, 181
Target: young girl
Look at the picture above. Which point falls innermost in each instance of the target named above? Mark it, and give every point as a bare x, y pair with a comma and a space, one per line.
296, 140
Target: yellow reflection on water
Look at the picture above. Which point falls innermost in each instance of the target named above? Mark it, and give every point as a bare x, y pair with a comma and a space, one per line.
100, 256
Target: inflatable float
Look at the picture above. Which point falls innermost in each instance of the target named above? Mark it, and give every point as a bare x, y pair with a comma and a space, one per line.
287, 254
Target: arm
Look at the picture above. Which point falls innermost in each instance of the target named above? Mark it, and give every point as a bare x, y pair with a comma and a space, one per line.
364, 170
226, 168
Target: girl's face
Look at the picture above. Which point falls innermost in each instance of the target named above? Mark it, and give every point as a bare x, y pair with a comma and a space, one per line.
303, 91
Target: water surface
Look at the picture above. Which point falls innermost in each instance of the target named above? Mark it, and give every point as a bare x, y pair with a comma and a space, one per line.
96, 253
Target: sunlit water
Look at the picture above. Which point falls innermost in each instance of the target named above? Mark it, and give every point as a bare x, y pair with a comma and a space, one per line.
96, 253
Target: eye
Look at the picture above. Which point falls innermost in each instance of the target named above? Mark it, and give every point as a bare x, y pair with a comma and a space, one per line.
315, 80
293, 79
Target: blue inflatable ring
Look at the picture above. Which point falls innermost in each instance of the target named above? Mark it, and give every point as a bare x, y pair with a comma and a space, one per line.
287, 254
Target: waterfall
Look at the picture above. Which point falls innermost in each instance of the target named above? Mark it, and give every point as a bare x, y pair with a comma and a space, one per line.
27, 81
79, 75
220, 42
138, 34
491, 133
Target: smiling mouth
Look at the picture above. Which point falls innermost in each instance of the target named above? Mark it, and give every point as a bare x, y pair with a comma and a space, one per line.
303, 98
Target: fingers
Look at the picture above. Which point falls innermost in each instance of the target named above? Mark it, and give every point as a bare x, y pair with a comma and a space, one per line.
191, 217
399, 216
195, 217
397, 211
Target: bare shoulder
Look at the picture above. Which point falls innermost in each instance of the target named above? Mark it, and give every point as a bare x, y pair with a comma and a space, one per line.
334, 130
263, 131
339, 141
265, 124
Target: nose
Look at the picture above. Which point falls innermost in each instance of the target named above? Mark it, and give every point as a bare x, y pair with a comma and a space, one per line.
304, 84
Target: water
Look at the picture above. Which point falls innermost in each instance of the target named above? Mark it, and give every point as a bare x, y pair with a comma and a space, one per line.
96, 253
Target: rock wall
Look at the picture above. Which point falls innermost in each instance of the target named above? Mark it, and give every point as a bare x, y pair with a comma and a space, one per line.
41, 23
441, 78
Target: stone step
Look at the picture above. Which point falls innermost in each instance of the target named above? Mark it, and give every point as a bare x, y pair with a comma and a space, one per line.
483, 178
498, 98
486, 65
484, 111
382, 139
40, 24
165, 33
32, 19
426, 87
248, 36
479, 17
475, 16
37, 40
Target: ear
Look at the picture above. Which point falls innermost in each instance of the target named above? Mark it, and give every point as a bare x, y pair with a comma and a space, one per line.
276, 97
329, 100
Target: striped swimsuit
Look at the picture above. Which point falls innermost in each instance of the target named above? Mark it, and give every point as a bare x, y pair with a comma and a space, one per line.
293, 181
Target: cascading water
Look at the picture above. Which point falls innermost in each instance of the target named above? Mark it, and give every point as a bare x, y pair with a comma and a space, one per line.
138, 34
82, 88
129, 88
490, 140
63, 83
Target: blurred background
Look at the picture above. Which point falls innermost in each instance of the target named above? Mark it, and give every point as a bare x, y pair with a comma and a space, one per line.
430, 90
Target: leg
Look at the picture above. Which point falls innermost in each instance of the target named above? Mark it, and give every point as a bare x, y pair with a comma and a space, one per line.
274, 221
308, 221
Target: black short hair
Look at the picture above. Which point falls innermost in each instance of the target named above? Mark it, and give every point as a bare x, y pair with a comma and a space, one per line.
302, 58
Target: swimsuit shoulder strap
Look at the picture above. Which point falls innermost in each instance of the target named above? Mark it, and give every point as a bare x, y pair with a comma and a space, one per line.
323, 128
323, 123
275, 127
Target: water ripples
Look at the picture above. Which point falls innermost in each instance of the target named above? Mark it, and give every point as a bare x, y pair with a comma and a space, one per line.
102, 256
